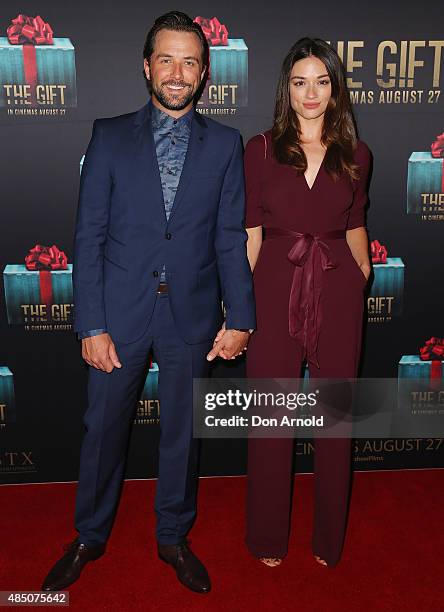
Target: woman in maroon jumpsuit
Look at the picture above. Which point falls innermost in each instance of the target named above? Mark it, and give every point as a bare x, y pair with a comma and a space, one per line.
307, 188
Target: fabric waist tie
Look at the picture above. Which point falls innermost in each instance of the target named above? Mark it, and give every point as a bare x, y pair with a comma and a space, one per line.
311, 256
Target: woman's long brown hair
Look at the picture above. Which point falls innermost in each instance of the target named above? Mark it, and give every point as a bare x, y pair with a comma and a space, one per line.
339, 129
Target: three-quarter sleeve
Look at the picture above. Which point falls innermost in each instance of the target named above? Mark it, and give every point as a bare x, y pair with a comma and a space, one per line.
253, 164
360, 196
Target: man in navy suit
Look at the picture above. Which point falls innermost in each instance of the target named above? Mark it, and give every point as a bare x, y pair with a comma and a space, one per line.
159, 243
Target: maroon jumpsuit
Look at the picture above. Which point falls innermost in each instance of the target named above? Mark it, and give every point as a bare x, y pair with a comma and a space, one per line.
309, 302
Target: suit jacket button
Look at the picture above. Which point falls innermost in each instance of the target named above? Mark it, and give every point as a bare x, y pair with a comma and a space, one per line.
168, 236
155, 273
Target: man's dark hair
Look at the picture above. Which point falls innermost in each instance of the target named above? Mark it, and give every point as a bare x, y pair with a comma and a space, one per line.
177, 22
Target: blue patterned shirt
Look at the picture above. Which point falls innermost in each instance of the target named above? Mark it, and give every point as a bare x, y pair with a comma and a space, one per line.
171, 138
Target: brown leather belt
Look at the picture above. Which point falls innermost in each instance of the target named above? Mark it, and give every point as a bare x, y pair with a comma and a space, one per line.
162, 288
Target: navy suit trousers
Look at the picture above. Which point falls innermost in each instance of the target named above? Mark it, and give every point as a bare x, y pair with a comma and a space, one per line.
112, 400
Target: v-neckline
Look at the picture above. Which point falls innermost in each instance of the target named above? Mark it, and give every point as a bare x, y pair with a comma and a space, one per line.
316, 177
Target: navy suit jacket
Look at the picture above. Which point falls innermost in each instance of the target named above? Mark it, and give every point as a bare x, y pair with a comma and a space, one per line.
122, 236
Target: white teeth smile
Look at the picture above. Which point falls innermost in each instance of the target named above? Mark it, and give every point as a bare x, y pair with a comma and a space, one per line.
175, 87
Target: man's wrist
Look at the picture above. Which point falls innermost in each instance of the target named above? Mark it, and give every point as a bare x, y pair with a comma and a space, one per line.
81, 335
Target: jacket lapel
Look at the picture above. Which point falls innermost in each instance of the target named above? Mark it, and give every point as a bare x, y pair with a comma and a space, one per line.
146, 162
193, 158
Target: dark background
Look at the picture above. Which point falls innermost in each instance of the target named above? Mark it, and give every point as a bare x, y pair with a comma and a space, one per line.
39, 161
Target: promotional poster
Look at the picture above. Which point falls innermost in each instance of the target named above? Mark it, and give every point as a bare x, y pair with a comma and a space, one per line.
64, 65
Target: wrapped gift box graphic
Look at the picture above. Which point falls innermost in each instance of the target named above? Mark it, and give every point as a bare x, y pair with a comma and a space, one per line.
148, 406
389, 282
228, 76
425, 175
150, 388
47, 61
420, 386
412, 366
229, 66
23, 286
428, 364
7, 402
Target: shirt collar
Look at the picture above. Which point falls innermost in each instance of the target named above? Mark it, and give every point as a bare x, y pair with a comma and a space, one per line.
160, 119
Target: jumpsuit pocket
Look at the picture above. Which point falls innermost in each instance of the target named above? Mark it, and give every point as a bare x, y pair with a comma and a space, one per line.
357, 269
360, 272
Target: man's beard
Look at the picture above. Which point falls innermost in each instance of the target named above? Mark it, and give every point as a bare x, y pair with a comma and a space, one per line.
174, 101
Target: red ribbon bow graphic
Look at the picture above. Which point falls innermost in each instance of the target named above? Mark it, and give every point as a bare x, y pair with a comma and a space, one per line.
437, 147
29, 32
215, 32
433, 350
45, 260
378, 252
26, 30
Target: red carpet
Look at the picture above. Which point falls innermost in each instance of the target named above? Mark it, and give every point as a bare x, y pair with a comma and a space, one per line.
392, 558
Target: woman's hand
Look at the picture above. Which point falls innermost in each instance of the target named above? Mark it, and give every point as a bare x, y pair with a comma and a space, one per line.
357, 240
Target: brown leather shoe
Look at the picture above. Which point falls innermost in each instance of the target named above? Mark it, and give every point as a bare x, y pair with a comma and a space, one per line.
189, 570
68, 569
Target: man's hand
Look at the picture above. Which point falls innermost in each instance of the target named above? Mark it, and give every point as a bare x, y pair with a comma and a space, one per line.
99, 352
230, 344
220, 333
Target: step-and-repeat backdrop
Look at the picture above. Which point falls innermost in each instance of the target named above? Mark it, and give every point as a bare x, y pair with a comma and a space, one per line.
64, 64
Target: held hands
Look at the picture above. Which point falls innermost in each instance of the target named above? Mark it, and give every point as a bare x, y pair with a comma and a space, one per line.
229, 344
99, 352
